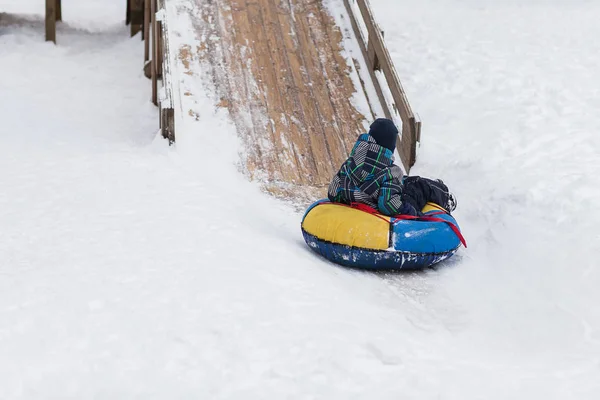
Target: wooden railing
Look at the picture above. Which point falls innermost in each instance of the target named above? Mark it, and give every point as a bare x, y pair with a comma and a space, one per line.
157, 64
146, 16
134, 16
378, 57
53, 14
163, 68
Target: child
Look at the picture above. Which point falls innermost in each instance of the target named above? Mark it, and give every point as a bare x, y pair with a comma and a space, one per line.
369, 176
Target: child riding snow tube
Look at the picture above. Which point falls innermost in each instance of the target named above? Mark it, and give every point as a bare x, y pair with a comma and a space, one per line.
359, 236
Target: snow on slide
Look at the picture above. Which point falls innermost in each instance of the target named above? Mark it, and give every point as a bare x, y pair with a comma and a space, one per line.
132, 270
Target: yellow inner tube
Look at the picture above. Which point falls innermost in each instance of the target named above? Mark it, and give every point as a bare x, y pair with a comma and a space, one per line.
344, 225
341, 224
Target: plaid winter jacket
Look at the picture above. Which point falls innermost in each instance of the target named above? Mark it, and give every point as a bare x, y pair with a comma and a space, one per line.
369, 176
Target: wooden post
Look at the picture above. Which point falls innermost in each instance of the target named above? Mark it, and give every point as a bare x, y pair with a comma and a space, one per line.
154, 53
159, 49
136, 15
51, 21
147, 21
167, 124
167, 111
58, 10
143, 20
128, 12
147, 39
373, 60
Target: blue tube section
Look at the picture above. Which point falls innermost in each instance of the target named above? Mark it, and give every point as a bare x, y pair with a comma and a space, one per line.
425, 237
374, 260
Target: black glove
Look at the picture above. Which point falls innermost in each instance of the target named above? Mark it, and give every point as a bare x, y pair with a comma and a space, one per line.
408, 209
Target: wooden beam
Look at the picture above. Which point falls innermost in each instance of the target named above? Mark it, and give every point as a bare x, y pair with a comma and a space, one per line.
167, 112
136, 15
144, 16
154, 53
159, 49
51, 21
373, 60
147, 21
167, 123
147, 39
58, 10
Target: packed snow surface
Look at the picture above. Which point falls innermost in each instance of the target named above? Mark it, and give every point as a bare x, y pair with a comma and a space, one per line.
129, 269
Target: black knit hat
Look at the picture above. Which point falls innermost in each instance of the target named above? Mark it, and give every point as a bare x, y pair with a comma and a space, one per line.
384, 132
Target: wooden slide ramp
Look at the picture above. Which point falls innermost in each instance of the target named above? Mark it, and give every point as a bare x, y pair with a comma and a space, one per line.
277, 66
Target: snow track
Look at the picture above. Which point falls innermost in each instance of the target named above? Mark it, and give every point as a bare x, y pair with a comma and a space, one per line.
127, 270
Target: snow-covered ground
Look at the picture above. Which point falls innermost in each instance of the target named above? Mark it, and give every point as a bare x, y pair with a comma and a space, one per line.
132, 270
509, 95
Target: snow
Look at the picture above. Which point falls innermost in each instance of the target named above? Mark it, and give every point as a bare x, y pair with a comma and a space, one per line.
132, 269
508, 95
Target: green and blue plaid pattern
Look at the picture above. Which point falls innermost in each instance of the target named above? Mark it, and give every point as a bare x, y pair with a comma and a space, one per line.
369, 176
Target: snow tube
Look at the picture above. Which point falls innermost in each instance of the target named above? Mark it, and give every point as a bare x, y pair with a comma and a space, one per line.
359, 238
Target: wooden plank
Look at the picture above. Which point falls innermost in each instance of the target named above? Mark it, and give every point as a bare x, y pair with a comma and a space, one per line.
58, 10
147, 39
147, 21
163, 53
159, 49
154, 53
167, 112
168, 124
345, 122
407, 145
137, 12
306, 86
372, 58
277, 67
247, 24
136, 15
51, 21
